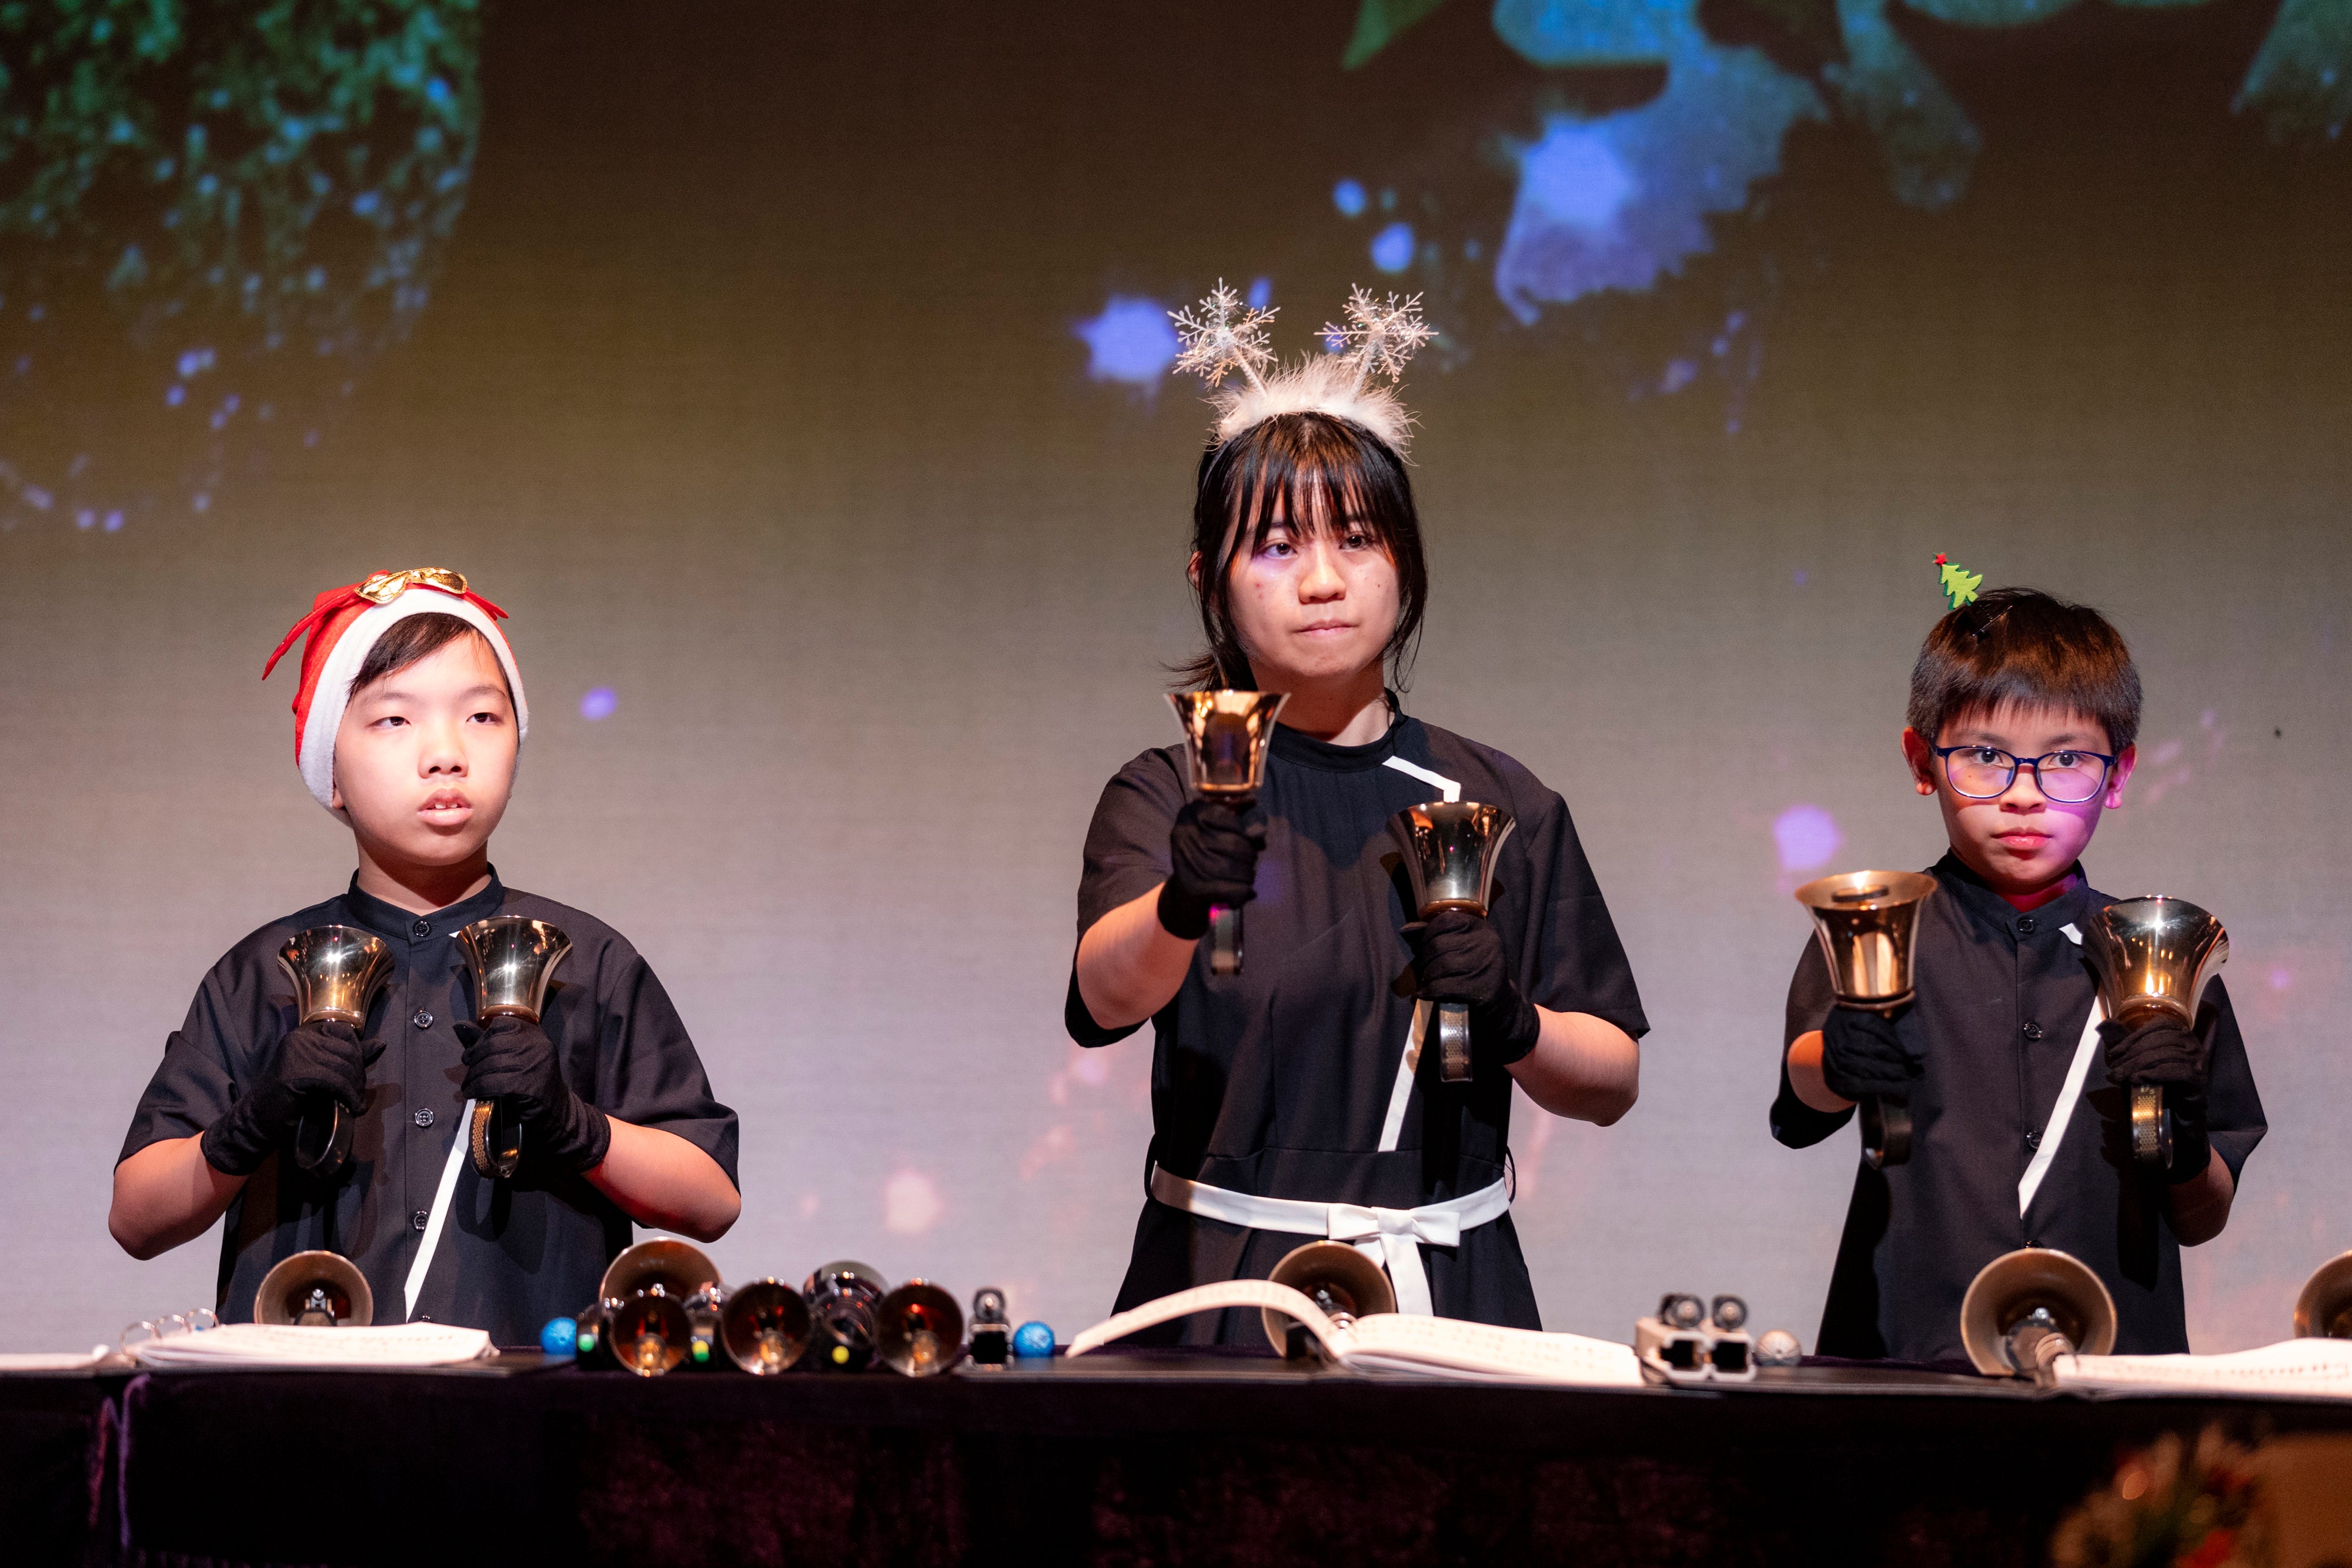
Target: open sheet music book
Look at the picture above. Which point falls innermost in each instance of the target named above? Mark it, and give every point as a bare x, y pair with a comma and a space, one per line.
1445, 1347
274, 1344
2293, 1368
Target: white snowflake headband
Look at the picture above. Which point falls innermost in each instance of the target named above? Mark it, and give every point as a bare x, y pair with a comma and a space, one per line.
1224, 334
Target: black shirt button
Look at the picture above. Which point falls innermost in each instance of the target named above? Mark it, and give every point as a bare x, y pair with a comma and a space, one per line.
2026, 925
2032, 1140
425, 1115
418, 1219
2034, 1031
423, 1018
422, 928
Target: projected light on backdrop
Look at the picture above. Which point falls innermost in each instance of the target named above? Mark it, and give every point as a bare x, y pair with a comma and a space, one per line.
1611, 195
212, 219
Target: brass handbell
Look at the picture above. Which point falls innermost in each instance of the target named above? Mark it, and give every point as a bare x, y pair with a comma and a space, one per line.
764, 1327
315, 1290
2324, 1308
1336, 1278
1227, 734
918, 1330
1867, 923
513, 960
657, 1289
1451, 849
2025, 1309
2152, 958
336, 971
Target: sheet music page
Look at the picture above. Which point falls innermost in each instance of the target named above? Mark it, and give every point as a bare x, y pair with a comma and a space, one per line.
272, 1345
1451, 1345
52, 1360
2296, 1366
1214, 1298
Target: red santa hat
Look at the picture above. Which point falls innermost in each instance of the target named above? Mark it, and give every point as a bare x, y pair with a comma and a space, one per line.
343, 624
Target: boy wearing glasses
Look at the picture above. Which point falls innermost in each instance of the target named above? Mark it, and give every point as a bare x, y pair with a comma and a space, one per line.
2022, 714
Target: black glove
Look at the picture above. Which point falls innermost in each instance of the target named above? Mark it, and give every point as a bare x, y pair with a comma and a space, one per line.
513, 1060
2163, 1051
320, 1058
1864, 1058
1458, 956
1212, 859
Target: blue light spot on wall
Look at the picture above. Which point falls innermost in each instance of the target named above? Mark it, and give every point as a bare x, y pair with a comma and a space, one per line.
114, 522
1573, 177
1347, 195
175, 395
1392, 248
1807, 837
599, 703
1261, 293
1131, 341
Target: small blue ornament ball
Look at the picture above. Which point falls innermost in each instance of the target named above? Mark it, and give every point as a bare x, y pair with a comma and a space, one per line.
1033, 1339
559, 1337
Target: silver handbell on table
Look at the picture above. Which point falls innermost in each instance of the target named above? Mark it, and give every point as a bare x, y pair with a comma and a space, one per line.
513, 960
2151, 957
1867, 923
1451, 851
336, 972
1227, 734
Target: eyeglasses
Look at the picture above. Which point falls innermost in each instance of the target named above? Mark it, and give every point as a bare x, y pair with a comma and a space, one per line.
1986, 772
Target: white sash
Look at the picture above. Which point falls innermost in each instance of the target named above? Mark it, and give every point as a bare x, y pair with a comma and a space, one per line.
2054, 1132
1391, 1237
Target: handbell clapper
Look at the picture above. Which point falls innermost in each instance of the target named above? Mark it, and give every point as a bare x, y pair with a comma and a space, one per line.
1451, 849
1867, 923
337, 971
513, 959
1227, 734
2152, 958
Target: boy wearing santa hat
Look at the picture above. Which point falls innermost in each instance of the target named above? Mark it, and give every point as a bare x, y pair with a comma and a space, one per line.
408, 723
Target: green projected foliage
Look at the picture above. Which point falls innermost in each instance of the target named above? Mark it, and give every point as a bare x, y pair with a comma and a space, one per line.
258, 193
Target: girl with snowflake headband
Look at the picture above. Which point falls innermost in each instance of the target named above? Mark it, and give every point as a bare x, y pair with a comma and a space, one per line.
1289, 1101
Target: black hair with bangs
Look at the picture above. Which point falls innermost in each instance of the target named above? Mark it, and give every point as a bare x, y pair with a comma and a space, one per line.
414, 639
1308, 466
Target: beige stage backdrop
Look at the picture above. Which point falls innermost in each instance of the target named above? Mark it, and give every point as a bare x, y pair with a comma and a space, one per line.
796, 376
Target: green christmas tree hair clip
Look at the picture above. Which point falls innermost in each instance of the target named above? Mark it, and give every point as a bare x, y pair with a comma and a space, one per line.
1959, 584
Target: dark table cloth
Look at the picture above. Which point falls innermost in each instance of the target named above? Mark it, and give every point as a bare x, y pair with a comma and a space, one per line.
1172, 1458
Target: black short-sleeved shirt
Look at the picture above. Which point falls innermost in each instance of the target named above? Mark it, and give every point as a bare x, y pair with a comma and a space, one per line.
2004, 999
512, 1254
1278, 1082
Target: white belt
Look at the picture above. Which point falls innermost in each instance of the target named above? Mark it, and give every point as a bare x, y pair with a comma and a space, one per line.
1393, 1237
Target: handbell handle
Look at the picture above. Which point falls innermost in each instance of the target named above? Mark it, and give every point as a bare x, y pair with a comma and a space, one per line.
1886, 1130
1453, 1041
322, 1136
2151, 1125
494, 1139
1224, 940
